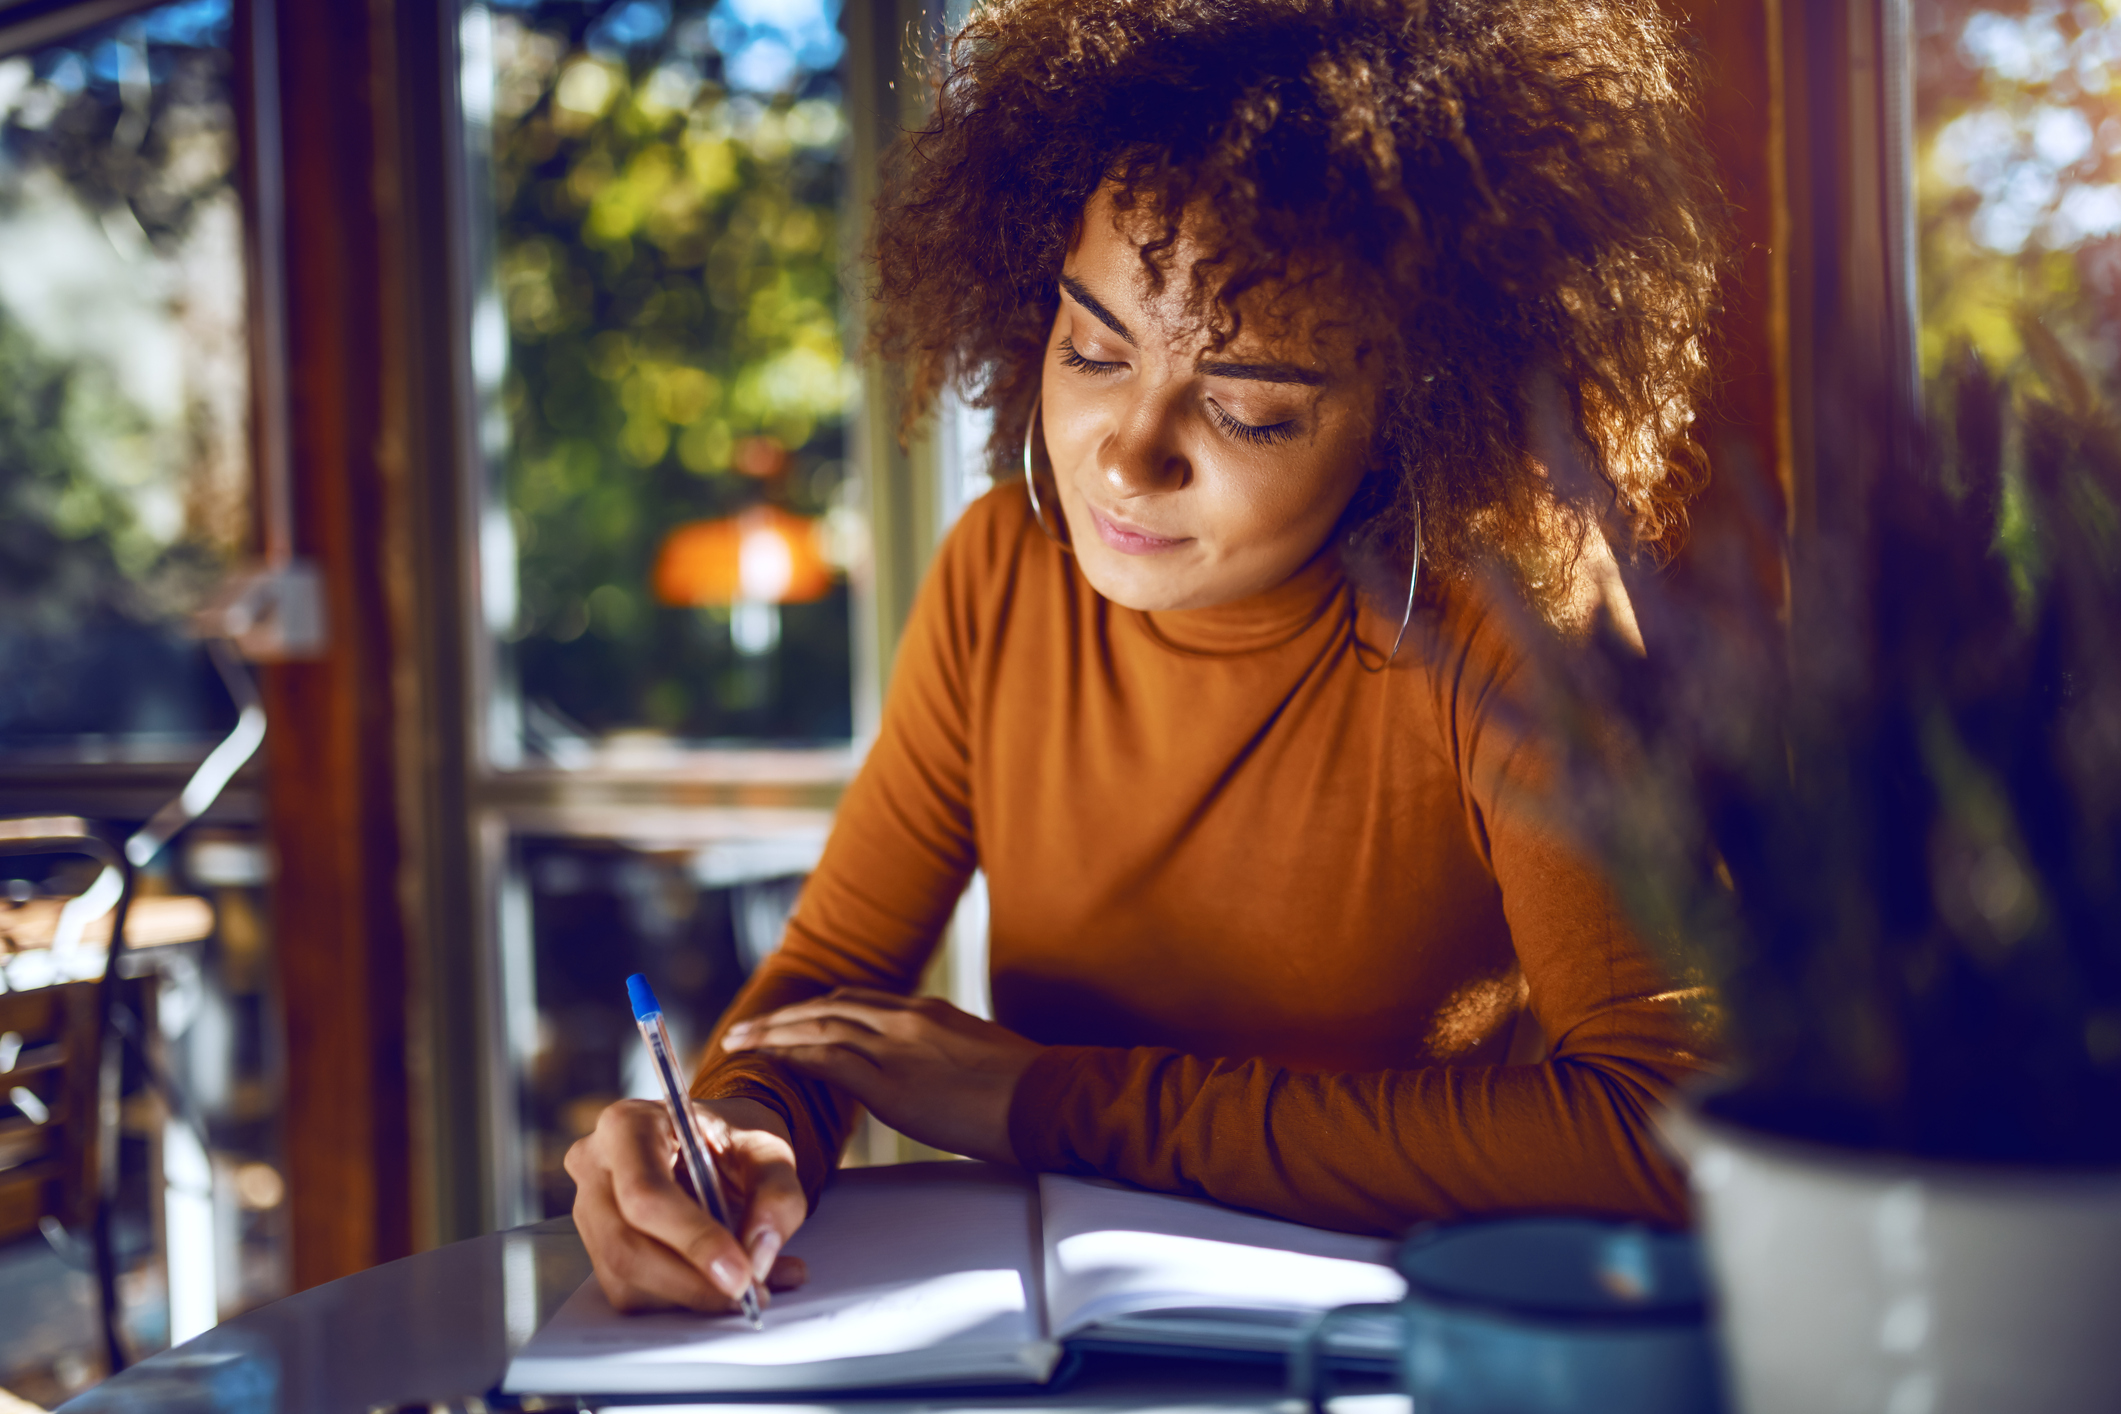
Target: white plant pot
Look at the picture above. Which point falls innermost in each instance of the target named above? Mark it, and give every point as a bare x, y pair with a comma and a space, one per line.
1857, 1283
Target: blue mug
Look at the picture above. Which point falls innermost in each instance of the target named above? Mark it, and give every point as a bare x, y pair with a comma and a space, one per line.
1540, 1316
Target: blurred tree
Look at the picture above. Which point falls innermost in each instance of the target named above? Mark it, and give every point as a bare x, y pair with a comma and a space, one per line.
666, 192
2018, 152
123, 386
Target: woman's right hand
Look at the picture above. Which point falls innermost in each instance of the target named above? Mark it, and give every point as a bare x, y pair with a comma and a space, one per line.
655, 1247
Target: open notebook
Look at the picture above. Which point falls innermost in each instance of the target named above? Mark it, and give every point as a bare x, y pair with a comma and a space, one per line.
963, 1273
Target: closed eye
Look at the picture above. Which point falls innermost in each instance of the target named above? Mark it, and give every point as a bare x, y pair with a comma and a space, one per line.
1261, 435
1071, 359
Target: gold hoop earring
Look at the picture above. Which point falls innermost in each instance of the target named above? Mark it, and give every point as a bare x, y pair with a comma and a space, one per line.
1038, 508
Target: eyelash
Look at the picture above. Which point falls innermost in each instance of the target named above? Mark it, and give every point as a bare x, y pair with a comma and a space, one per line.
1246, 432
1243, 431
1071, 359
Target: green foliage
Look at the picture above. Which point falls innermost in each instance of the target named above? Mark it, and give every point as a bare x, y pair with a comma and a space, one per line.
2018, 185
72, 548
667, 255
59, 529
123, 465
75, 451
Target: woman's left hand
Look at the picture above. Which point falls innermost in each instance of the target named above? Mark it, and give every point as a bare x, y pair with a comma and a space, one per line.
930, 1071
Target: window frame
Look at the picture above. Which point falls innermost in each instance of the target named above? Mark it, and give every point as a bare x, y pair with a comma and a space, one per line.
703, 796
1845, 259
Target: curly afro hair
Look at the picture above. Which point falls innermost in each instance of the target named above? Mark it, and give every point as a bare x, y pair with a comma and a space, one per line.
1511, 189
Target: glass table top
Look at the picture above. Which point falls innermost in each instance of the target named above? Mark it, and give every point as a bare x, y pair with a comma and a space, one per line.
436, 1329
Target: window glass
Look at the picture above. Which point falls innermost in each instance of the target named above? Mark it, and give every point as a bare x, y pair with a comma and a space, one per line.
2018, 151
660, 348
124, 465
694, 919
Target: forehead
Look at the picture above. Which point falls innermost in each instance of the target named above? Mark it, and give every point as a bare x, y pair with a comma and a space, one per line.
1119, 253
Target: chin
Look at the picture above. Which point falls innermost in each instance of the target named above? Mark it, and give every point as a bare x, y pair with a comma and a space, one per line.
1134, 585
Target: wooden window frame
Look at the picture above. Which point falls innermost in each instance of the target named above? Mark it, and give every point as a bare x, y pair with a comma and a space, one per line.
1846, 310
420, 812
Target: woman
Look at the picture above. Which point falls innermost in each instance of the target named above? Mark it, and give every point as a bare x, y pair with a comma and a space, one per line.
1272, 298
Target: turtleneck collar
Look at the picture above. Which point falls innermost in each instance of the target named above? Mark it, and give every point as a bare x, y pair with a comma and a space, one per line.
1265, 620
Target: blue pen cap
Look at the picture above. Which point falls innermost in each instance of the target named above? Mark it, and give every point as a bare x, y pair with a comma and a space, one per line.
644, 1002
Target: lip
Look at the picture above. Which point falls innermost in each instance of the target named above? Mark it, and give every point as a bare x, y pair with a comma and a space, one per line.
1131, 539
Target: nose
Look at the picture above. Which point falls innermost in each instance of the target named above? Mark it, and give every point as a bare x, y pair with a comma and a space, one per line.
1141, 455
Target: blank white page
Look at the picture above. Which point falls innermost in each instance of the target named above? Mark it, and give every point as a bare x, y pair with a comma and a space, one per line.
1113, 1251
919, 1273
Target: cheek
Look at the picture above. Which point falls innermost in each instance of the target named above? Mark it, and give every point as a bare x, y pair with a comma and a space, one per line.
1279, 499
1072, 422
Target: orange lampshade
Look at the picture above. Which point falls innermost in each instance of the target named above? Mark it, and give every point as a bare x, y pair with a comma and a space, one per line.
764, 556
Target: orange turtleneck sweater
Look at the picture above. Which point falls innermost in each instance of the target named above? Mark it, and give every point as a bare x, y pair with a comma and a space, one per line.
1292, 932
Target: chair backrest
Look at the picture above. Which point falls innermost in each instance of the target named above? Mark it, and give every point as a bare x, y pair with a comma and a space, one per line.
47, 1107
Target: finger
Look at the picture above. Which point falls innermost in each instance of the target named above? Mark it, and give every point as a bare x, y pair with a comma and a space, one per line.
639, 1273
870, 996
815, 1031
774, 1207
635, 1270
746, 1034
671, 1217
787, 1274
645, 1192
871, 1009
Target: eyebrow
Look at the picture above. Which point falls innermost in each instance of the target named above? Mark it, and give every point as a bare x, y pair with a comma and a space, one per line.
1089, 301
1255, 372
1265, 373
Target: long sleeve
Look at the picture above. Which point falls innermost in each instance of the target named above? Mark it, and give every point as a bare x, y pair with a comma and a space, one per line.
1274, 917
1380, 1149
898, 857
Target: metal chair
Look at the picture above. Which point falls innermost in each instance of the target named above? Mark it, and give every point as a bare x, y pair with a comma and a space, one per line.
99, 1049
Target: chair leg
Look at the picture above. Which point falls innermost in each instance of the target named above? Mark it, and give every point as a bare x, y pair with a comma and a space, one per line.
109, 1135
107, 1288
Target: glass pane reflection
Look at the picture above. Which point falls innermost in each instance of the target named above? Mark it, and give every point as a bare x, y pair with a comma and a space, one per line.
124, 467
666, 419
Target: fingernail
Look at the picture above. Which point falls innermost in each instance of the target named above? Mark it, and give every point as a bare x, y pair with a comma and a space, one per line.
728, 1276
764, 1248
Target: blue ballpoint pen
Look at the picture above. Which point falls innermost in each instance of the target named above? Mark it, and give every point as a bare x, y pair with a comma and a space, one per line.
705, 1182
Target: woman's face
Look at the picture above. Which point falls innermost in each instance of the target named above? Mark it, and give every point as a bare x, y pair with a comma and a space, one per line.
1192, 477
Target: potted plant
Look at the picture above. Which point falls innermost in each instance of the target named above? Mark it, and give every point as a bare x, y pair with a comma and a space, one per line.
1886, 833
